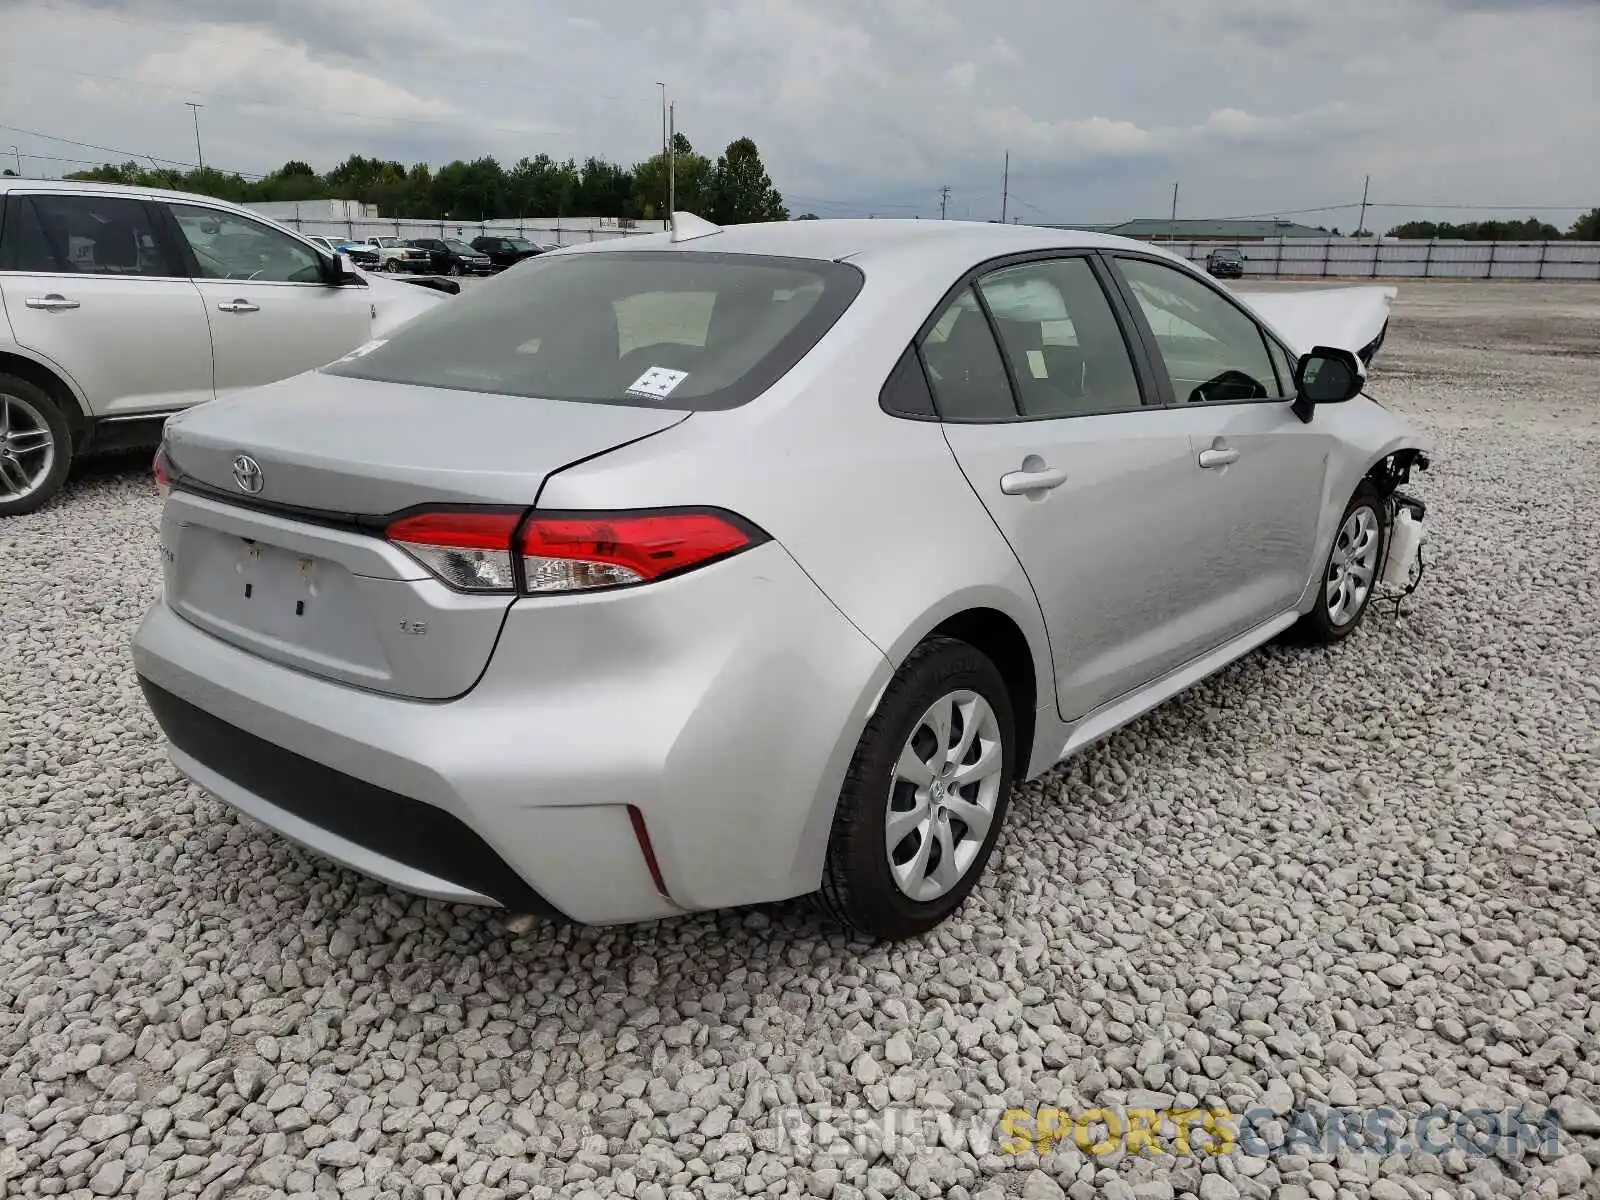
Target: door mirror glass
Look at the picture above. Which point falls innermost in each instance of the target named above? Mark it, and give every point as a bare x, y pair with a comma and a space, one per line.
1328, 376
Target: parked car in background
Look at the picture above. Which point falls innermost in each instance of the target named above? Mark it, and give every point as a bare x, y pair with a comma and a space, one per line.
120, 306
555, 600
316, 239
1225, 263
503, 251
363, 253
450, 256
400, 255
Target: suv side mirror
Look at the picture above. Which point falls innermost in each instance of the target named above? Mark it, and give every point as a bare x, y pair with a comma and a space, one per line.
339, 270
1328, 375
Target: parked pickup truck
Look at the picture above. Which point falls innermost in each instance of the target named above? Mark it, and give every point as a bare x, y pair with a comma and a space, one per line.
387, 254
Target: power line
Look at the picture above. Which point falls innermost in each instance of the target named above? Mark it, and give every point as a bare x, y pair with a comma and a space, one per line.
153, 158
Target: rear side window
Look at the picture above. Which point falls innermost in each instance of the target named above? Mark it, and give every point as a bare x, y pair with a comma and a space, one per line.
664, 329
87, 235
1065, 347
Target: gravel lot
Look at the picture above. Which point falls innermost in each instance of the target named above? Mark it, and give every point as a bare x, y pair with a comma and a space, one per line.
1363, 876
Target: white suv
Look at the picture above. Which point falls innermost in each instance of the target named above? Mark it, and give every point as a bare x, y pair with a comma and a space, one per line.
120, 306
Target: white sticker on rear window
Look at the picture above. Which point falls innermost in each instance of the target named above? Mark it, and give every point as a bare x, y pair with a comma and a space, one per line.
657, 383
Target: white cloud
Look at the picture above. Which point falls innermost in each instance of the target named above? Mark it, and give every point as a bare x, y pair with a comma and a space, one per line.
1254, 104
253, 67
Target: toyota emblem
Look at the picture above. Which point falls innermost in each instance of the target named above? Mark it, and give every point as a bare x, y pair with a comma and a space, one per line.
247, 474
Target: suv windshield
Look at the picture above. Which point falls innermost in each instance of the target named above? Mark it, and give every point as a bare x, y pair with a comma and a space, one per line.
663, 329
1227, 256
458, 247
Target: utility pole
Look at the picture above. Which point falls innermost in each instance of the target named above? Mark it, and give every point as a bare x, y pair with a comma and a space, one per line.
944, 199
672, 160
1362, 223
195, 109
1005, 188
17, 150
663, 87
1175, 201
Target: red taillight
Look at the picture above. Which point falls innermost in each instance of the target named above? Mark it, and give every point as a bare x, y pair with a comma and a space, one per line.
472, 550
162, 469
573, 553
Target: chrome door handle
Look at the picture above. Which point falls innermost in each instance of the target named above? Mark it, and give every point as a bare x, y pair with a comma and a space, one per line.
238, 306
54, 302
1218, 457
1032, 479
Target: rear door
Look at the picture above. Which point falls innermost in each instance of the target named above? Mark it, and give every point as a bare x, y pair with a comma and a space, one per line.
93, 284
1095, 490
271, 313
1264, 470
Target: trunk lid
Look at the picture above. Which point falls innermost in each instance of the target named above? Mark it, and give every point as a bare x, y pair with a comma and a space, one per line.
298, 571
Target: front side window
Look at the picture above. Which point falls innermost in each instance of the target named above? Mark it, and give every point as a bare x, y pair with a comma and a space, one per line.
1284, 363
85, 235
1211, 349
668, 329
1066, 350
964, 366
228, 246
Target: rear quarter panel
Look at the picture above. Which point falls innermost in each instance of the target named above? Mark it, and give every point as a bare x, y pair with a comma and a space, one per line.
872, 507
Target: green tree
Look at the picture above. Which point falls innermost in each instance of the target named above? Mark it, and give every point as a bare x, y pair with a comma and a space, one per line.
1587, 227
741, 189
694, 174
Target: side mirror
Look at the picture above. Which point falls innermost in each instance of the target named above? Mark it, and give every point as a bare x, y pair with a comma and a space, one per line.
339, 270
1328, 375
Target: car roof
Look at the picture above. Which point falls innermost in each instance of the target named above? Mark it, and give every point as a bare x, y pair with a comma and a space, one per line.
873, 241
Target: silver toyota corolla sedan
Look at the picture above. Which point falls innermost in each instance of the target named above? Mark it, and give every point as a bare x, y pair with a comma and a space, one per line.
727, 565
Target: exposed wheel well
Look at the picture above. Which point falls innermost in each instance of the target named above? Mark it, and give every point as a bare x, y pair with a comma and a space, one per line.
998, 636
49, 382
1394, 470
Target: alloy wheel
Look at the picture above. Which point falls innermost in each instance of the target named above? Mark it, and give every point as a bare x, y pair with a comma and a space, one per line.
943, 794
1353, 565
27, 448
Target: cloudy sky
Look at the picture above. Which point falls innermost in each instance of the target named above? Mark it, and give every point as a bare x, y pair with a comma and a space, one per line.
1256, 106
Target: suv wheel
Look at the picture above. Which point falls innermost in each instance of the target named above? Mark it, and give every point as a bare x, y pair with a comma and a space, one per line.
35, 446
925, 796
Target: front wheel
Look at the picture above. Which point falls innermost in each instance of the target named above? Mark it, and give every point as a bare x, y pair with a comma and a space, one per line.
925, 795
35, 446
1351, 571
455, 270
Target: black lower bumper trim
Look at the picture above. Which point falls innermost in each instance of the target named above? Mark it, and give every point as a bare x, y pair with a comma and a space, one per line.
409, 831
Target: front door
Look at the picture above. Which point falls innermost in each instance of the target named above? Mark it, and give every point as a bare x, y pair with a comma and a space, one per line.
1096, 491
272, 314
89, 283
1264, 469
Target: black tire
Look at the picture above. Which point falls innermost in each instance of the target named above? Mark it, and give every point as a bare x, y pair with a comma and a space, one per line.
1318, 627
455, 270
858, 888
37, 400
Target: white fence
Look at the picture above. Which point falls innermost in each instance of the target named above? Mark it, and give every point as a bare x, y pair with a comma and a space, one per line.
546, 230
1440, 258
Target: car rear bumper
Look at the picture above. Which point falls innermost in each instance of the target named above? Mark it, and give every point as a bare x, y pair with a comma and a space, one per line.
721, 707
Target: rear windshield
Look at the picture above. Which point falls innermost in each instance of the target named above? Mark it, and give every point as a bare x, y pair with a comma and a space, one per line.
662, 329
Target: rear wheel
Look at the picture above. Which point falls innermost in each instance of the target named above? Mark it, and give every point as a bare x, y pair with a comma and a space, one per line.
925, 796
35, 446
1351, 571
